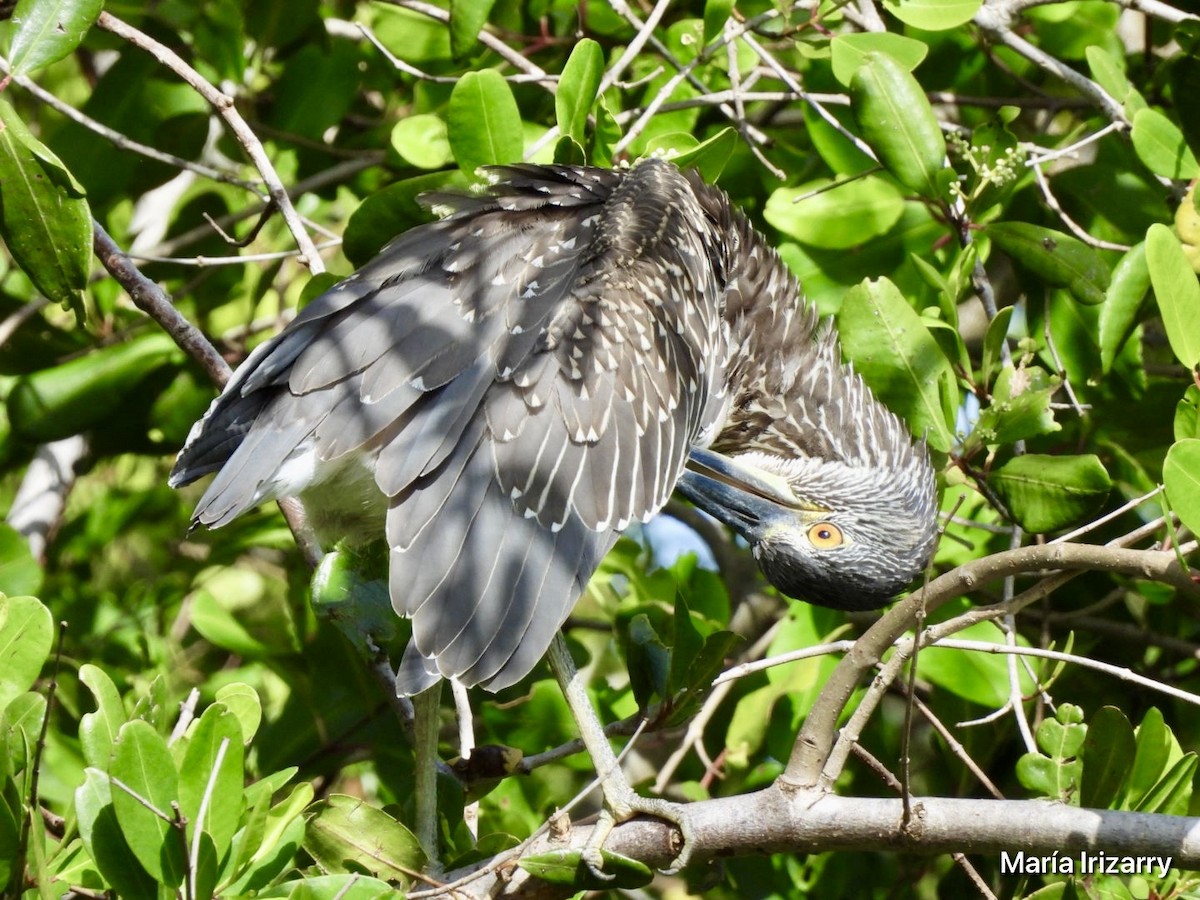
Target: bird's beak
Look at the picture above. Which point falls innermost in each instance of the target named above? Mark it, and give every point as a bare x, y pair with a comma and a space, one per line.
745, 498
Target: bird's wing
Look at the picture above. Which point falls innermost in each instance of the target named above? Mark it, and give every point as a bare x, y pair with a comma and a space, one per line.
528, 373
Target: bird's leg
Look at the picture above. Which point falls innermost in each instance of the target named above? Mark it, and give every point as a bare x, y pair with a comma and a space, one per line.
621, 802
426, 707
466, 745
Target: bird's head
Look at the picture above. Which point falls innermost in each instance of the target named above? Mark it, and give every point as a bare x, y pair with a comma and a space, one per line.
831, 532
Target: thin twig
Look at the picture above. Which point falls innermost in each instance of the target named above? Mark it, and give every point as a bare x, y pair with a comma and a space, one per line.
224, 105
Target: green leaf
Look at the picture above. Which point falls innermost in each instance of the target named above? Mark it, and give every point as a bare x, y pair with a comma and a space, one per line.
993, 343
976, 676
1152, 758
898, 122
344, 834
75, 396
142, 765
933, 15
20, 573
1187, 414
48, 30
242, 700
44, 219
1177, 292
1020, 409
1108, 73
20, 727
1107, 756
1183, 74
835, 216
98, 730
1119, 312
105, 841
577, 87
26, 633
566, 868
1057, 258
1181, 476
1055, 771
484, 122
467, 18
1048, 493
331, 887
649, 662
213, 766
898, 358
271, 837
710, 155
1161, 147
1172, 793
423, 140
716, 14
10, 838
847, 51
392, 211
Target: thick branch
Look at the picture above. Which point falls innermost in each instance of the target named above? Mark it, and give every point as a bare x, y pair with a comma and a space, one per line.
777, 820
815, 741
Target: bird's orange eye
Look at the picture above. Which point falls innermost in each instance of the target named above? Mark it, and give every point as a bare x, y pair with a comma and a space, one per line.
825, 536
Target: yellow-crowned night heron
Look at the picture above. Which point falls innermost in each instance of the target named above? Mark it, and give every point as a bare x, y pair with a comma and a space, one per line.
513, 385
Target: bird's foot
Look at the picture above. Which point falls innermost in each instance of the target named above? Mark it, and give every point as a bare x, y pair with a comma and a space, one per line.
622, 803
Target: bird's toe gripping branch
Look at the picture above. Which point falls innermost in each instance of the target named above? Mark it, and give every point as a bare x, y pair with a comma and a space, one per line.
621, 802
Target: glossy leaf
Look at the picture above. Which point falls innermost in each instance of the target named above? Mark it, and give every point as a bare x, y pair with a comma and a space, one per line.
1172, 793
48, 30
484, 122
1057, 258
1020, 409
242, 700
26, 633
933, 15
20, 573
1160, 145
105, 841
1155, 746
898, 122
467, 18
847, 51
1048, 493
44, 219
98, 730
20, 729
835, 216
75, 396
976, 676
211, 777
331, 887
895, 354
1187, 414
1123, 301
566, 868
423, 140
143, 767
1181, 475
716, 14
392, 211
993, 343
1177, 291
577, 89
344, 834
1107, 756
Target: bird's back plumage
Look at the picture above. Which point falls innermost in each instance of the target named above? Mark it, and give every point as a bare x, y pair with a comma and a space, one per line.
524, 378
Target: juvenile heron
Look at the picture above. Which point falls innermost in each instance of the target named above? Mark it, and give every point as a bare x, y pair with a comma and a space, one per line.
506, 389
